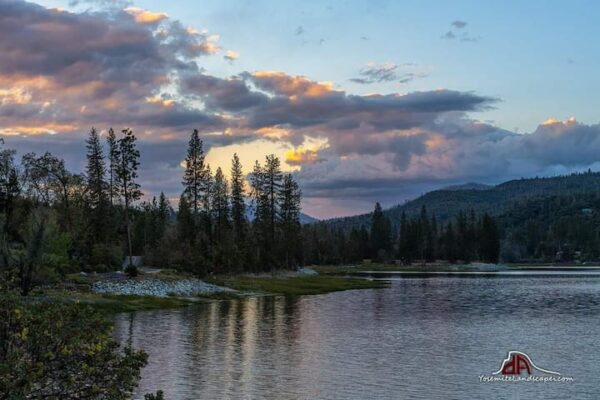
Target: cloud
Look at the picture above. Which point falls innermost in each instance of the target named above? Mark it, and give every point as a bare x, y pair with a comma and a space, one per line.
231, 55
390, 72
458, 24
299, 157
453, 149
449, 35
455, 32
116, 64
374, 73
220, 94
146, 17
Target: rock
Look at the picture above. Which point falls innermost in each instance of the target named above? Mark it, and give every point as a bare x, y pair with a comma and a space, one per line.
307, 271
158, 287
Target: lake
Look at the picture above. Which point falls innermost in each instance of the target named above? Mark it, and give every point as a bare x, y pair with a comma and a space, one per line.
424, 337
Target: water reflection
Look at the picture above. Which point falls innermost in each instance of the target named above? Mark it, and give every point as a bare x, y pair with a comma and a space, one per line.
421, 338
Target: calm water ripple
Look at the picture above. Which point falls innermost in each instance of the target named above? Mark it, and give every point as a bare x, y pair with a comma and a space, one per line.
422, 338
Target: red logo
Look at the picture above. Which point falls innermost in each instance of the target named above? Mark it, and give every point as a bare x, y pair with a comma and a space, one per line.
518, 363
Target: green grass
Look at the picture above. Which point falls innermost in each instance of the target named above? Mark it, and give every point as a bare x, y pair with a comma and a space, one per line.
296, 286
112, 303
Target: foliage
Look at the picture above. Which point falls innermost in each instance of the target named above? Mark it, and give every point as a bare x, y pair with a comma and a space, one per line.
158, 396
62, 351
422, 238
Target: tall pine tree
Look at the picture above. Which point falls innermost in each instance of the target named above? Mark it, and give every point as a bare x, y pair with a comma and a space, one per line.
113, 162
238, 204
194, 178
96, 187
289, 220
381, 234
126, 175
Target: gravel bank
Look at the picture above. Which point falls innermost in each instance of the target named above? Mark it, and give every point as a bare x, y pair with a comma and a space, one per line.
158, 288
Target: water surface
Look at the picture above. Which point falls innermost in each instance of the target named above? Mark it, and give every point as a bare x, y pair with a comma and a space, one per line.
424, 337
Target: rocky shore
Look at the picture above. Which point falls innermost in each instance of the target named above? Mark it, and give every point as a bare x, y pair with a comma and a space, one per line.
158, 287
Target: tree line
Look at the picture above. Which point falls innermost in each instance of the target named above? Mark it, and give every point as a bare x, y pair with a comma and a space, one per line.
468, 237
56, 222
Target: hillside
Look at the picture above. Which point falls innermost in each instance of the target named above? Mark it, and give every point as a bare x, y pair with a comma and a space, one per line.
447, 203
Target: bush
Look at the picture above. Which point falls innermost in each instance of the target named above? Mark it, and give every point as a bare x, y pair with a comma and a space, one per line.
100, 268
158, 396
108, 255
62, 351
131, 271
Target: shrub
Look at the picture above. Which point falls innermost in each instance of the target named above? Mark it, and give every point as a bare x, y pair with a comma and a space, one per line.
131, 271
62, 351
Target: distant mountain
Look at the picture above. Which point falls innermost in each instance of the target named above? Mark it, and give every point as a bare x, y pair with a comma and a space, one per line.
304, 218
469, 186
307, 219
495, 200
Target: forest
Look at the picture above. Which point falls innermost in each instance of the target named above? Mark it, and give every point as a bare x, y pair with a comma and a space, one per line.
56, 222
419, 239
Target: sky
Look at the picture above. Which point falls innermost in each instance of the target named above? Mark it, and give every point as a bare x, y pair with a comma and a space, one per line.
363, 101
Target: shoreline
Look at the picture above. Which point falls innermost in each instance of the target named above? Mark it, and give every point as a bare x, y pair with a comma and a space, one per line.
80, 289
117, 295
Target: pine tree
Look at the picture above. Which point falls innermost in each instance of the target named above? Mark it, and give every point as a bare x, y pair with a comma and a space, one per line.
113, 162
238, 205
450, 243
185, 223
272, 182
126, 175
403, 245
380, 234
223, 250
194, 178
258, 194
220, 204
96, 186
163, 215
289, 220
489, 240
260, 226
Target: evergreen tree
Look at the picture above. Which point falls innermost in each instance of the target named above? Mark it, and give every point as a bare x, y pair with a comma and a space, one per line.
449, 243
289, 220
185, 223
403, 240
238, 205
272, 185
380, 234
96, 187
126, 175
163, 212
489, 240
195, 175
223, 249
220, 204
113, 162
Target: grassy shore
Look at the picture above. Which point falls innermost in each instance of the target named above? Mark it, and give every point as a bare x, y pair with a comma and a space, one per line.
112, 303
244, 284
338, 270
